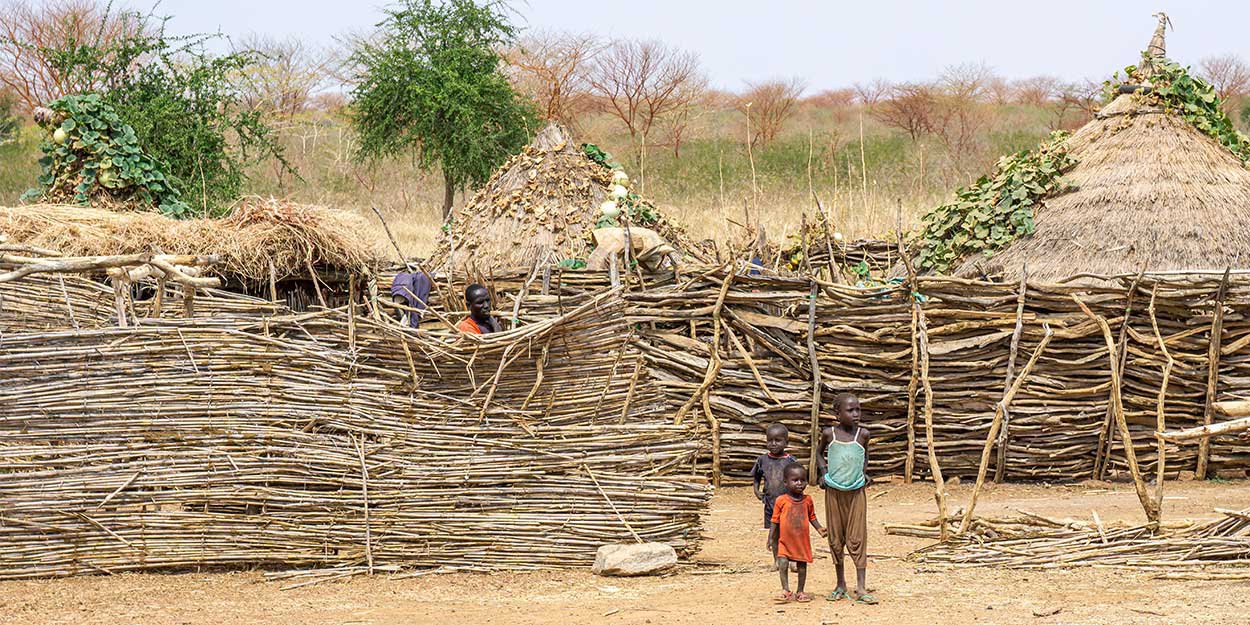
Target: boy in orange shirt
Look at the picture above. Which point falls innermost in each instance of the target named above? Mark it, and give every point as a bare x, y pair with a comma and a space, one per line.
789, 537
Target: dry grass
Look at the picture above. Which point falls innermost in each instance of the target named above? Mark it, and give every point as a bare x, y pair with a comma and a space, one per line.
258, 233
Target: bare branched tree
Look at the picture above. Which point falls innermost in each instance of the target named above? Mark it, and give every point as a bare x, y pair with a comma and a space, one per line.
28, 29
969, 82
871, 93
1074, 103
1035, 91
1230, 76
770, 104
909, 107
553, 70
642, 81
287, 74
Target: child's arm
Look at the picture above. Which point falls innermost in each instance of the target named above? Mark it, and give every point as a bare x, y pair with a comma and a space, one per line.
811, 516
757, 477
773, 533
822, 459
864, 435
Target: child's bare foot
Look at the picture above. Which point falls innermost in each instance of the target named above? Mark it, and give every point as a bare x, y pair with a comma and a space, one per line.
802, 597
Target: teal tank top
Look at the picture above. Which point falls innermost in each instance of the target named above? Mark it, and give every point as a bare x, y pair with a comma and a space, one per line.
845, 469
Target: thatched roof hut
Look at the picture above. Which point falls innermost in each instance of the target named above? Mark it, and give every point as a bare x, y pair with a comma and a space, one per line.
1148, 190
540, 206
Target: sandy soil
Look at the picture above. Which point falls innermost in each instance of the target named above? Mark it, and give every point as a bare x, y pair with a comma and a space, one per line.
729, 585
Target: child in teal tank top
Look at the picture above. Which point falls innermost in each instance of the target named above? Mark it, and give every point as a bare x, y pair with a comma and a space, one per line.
843, 465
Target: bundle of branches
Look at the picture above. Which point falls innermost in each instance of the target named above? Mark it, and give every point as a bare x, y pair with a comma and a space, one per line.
541, 206
1031, 541
329, 440
262, 238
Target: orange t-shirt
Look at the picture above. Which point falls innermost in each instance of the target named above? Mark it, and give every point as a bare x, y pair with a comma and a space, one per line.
793, 519
469, 326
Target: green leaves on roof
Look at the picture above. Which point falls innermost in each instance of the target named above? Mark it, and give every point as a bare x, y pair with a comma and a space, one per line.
994, 211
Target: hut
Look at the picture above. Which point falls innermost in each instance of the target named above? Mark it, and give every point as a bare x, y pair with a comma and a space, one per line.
1147, 190
295, 254
540, 207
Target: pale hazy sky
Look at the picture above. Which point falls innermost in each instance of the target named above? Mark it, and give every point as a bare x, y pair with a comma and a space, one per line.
828, 44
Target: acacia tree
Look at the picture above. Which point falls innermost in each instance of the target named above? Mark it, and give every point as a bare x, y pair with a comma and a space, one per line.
286, 75
553, 70
909, 107
769, 104
642, 81
431, 83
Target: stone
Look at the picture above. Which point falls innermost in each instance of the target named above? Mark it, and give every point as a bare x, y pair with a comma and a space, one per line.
631, 560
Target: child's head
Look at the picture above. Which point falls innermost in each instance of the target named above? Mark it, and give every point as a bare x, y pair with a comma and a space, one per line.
795, 476
846, 407
776, 438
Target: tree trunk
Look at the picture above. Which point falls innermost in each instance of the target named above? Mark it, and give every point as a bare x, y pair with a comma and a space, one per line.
449, 196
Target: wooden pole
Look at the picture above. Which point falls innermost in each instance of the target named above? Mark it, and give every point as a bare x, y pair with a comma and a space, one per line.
1160, 415
935, 468
1000, 414
1213, 374
910, 464
1106, 436
1004, 436
1205, 432
1130, 453
817, 382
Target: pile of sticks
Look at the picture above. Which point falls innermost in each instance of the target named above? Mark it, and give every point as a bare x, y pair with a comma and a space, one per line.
1032, 541
331, 440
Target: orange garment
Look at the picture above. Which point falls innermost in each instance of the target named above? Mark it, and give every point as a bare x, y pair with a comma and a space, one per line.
469, 326
793, 520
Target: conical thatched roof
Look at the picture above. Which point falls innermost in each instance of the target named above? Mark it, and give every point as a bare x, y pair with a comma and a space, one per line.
539, 206
1148, 191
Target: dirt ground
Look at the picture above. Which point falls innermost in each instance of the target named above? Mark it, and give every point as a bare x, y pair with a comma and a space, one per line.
728, 585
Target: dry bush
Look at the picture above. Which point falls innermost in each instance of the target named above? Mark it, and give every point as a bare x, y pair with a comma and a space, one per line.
969, 82
553, 70
1073, 104
1000, 90
287, 74
642, 81
908, 107
28, 29
768, 105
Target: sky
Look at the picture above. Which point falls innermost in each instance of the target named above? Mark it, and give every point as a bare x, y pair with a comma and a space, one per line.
828, 44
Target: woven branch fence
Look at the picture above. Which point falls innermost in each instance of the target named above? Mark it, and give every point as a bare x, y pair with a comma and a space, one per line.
331, 440
1061, 425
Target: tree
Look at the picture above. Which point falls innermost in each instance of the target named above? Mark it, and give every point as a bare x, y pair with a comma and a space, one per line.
871, 93
553, 70
40, 43
179, 101
8, 121
286, 75
642, 81
431, 83
1231, 78
1035, 91
769, 104
909, 107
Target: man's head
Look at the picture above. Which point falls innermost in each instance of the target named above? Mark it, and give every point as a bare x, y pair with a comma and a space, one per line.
477, 298
776, 437
846, 407
795, 476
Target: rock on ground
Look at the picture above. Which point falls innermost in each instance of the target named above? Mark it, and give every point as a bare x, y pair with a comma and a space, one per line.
634, 559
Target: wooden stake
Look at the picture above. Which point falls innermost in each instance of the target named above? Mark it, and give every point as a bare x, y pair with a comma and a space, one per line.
935, 468
1000, 414
1004, 436
1213, 374
910, 464
1160, 418
817, 382
1130, 453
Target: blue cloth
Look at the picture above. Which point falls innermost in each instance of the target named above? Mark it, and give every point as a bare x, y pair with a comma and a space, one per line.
415, 289
845, 470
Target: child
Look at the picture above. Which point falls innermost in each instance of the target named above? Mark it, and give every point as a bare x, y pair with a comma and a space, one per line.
768, 472
843, 464
789, 537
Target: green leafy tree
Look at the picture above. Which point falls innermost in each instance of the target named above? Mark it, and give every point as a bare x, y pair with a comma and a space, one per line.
431, 84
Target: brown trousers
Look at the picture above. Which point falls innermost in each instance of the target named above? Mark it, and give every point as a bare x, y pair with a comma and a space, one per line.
846, 513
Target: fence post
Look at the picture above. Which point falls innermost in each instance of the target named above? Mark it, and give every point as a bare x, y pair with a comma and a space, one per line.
1213, 374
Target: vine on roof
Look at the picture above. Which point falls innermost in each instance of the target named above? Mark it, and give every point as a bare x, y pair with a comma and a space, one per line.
987, 215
